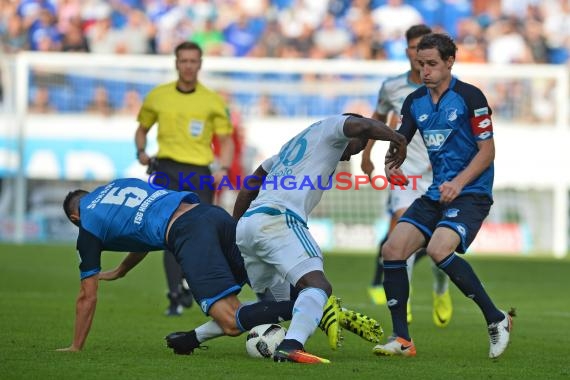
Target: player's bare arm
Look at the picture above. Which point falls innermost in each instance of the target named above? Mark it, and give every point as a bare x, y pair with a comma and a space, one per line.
84, 312
450, 190
394, 174
140, 143
131, 261
366, 164
248, 192
397, 152
377, 130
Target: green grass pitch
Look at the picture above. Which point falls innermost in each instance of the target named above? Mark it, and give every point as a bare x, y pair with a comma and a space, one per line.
39, 284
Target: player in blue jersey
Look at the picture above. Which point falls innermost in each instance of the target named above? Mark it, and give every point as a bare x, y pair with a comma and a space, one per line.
454, 120
130, 215
390, 100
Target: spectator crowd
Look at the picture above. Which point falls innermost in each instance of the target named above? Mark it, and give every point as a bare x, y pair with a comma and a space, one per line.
498, 31
502, 31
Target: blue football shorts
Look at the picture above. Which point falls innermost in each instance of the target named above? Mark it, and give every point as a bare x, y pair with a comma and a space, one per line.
464, 215
203, 242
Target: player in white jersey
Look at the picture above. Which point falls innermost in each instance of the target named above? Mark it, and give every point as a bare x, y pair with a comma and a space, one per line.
272, 233
390, 100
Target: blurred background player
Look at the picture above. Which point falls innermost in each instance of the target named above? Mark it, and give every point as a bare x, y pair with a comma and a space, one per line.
390, 99
272, 231
189, 115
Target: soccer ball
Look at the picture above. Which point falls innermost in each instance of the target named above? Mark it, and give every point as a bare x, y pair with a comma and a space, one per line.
262, 340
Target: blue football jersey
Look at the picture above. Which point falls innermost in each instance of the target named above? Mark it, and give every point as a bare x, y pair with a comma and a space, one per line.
450, 130
126, 215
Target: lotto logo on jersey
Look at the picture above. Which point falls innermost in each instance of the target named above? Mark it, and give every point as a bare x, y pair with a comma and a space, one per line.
482, 127
485, 123
435, 139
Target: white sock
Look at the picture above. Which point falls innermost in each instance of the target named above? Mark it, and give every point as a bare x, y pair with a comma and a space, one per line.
307, 312
207, 331
410, 263
440, 280
410, 269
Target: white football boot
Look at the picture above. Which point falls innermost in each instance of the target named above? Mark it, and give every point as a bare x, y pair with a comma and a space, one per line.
499, 334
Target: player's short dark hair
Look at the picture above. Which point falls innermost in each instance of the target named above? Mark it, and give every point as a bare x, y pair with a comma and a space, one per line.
353, 114
187, 45
416, 31
71, 202
440, 41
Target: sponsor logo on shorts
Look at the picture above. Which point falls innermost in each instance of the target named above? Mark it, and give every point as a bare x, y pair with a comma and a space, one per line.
204, 305
451, 213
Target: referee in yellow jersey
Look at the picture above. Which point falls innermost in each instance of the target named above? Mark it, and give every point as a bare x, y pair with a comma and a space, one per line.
188, 116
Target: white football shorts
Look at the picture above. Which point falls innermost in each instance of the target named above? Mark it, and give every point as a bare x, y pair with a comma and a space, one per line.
276, 245
403, 198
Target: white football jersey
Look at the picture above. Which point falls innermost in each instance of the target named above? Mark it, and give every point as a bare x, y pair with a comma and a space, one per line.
391, 97
304, 167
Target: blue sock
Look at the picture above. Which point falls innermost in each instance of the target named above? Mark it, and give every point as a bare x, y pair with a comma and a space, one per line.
259, 313
397, 290
463, 276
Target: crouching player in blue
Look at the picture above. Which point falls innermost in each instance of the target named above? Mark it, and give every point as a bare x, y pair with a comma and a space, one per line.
454, 120
131, 216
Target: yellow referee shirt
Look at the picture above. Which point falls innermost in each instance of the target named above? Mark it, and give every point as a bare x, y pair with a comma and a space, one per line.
186, 122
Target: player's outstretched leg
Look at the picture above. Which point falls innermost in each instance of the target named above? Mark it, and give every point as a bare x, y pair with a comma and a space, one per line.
361, 325
498, 322
330, 322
